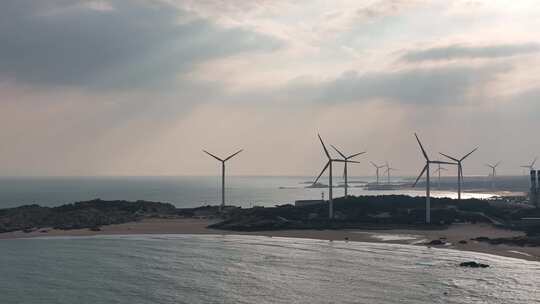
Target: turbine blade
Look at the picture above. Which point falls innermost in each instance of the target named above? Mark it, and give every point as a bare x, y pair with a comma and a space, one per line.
233, 155
324, 147
345, 161
374, 165
421, 147
497, 164
339, 152
467, 155
441, 162
213, 155
419, 176
534, 162
450, 157
355, 155
322, 171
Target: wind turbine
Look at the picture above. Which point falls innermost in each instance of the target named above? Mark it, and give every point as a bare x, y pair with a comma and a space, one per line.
346, 161
387, 171
531, 166
330, 186
460, 168
493, 174
427, 171
222, 174
439, 170
377, 170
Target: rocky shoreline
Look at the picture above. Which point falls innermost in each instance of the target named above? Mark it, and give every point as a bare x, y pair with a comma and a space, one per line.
358, 213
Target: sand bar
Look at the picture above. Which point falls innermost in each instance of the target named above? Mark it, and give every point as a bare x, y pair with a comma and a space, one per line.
452, 235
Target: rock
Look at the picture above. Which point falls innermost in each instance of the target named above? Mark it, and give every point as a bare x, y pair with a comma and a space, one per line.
481, 239
473, 264
95, 228
28, 230
462, 242
436, 242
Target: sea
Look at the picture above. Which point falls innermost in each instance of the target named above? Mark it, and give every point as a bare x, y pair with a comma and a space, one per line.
193, 191
252, 269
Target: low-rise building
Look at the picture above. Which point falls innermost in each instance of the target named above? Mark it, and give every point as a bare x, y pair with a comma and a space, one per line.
302, 203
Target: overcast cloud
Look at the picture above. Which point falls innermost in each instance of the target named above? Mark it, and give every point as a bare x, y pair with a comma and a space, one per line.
459, 52
111, 44
92, 87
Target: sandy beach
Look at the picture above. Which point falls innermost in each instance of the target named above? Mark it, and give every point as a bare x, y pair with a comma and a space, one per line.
452, 235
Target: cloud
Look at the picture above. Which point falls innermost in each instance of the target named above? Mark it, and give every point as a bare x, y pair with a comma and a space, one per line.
453, 52
384, 8
437, 85
111, 44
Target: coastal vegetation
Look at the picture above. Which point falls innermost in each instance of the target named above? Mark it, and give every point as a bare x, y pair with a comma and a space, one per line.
376, 211
89, 214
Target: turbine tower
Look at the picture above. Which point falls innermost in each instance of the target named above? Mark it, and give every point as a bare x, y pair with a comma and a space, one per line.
377, 170
459, 168
330, 186
387, 172
493, 174
222, 174
346, 161
427, 171
439, 170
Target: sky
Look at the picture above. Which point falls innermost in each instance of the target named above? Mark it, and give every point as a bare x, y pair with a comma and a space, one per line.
140, 87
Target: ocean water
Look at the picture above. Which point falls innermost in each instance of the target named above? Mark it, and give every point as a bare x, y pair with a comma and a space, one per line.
250, 269
182, 191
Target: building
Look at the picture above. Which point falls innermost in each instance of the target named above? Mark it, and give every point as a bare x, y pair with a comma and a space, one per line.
535, 187
537, 192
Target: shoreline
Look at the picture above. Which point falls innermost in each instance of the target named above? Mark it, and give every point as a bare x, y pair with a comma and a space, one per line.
417, 237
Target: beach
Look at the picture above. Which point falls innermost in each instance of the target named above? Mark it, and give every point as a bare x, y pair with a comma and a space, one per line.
452, 235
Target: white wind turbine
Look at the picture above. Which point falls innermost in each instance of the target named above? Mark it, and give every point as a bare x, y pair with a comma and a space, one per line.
377, 170
427, 171
438, 171
346, 161
330, 185
222, 174
460, 168
493, 174
531, 166
388, 171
